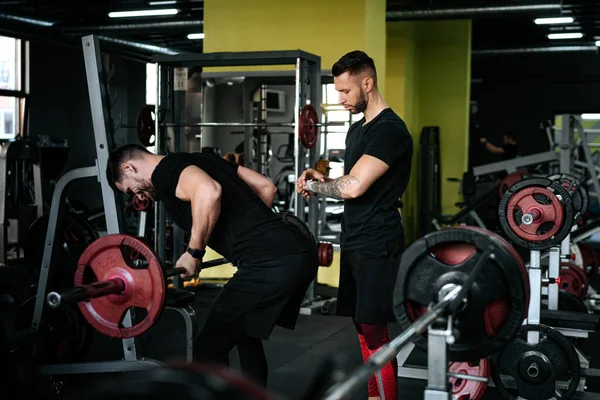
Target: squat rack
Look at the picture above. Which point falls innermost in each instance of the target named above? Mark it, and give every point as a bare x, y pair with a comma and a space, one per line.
173, 71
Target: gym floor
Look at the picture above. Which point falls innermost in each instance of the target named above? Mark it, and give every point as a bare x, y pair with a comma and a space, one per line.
294, 357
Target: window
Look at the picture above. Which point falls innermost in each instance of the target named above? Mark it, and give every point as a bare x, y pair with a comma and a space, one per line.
334, 112
151, 84
12, 85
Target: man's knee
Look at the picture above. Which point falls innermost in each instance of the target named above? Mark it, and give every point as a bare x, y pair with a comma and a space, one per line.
375, 335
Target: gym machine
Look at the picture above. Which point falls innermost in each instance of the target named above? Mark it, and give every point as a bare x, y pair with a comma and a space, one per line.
100, 118
172, 75
559, 216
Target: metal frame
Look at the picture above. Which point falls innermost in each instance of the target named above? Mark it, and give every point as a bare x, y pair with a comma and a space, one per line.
100, 120
308, 89
511, 166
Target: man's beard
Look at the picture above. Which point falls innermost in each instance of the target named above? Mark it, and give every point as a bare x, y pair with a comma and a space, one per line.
361, 104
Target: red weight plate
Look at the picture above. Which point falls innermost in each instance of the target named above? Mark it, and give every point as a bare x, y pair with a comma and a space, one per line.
589, 260
308, 128
463, 389
145, 125
510, 180
140, 205
573, 279
498, 311
325, 254
109, 258
550, 217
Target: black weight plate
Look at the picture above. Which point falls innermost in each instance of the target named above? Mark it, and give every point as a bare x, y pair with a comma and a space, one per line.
497, 301
569, 302
76, 235
536, 367
561, 199
62, 337
578, 193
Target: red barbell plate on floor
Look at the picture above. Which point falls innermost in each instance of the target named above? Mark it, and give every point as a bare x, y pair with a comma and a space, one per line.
463, 389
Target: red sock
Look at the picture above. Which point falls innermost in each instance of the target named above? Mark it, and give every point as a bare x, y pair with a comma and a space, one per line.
366, 353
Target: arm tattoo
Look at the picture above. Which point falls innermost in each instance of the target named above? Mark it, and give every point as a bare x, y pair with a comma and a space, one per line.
334, 188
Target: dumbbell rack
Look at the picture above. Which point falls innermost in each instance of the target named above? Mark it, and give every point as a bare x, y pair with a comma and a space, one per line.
100, 120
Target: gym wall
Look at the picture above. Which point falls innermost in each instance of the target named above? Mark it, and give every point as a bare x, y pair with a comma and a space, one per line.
519, 91
60, 107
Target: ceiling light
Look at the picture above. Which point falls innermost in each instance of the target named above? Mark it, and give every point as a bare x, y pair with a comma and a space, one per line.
598, 43
162, 3
558, 20
590, 116
195, 36
142, 13
566, 35
27, 20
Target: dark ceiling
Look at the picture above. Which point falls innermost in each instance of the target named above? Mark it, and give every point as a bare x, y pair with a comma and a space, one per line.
496, 25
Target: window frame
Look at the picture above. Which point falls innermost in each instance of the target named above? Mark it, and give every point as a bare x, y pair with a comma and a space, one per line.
22, 93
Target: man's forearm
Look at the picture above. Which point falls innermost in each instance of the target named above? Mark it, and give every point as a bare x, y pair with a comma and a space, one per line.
205, 213
341, 188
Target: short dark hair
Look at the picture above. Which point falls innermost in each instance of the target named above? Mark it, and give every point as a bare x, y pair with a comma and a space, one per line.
354, 63
119, 156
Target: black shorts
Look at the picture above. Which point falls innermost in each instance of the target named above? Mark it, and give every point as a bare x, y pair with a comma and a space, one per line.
367, 280
266, 295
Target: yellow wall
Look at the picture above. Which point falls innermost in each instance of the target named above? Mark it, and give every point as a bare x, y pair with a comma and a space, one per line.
428, 84
328, 29
423, 72
444, 94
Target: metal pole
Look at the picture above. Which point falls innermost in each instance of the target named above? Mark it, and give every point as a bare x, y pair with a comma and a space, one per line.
248, 124
388, 352
298, 199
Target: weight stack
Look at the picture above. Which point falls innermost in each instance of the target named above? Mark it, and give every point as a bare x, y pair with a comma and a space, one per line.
429, 178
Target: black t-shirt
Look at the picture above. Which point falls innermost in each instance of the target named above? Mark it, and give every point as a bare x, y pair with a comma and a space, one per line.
247, 231
373, 218
510, 151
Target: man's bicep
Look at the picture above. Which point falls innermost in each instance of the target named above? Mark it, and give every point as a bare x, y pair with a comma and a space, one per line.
368, 169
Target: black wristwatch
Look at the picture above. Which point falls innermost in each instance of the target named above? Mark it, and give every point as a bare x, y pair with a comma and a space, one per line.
196, 253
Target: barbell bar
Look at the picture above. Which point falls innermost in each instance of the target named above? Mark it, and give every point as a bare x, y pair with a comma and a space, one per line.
110, 286
248, 124
307, 123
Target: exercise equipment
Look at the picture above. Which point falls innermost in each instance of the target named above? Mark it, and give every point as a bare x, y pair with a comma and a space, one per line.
65, 337
20, 192
578, 194
536, 367
498, 299
429, 178
145, 125
193, 381
308, 123
464, 388
448, 274
115, 273
536, 213
75, 235
510, 180
573, 279
589, 260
